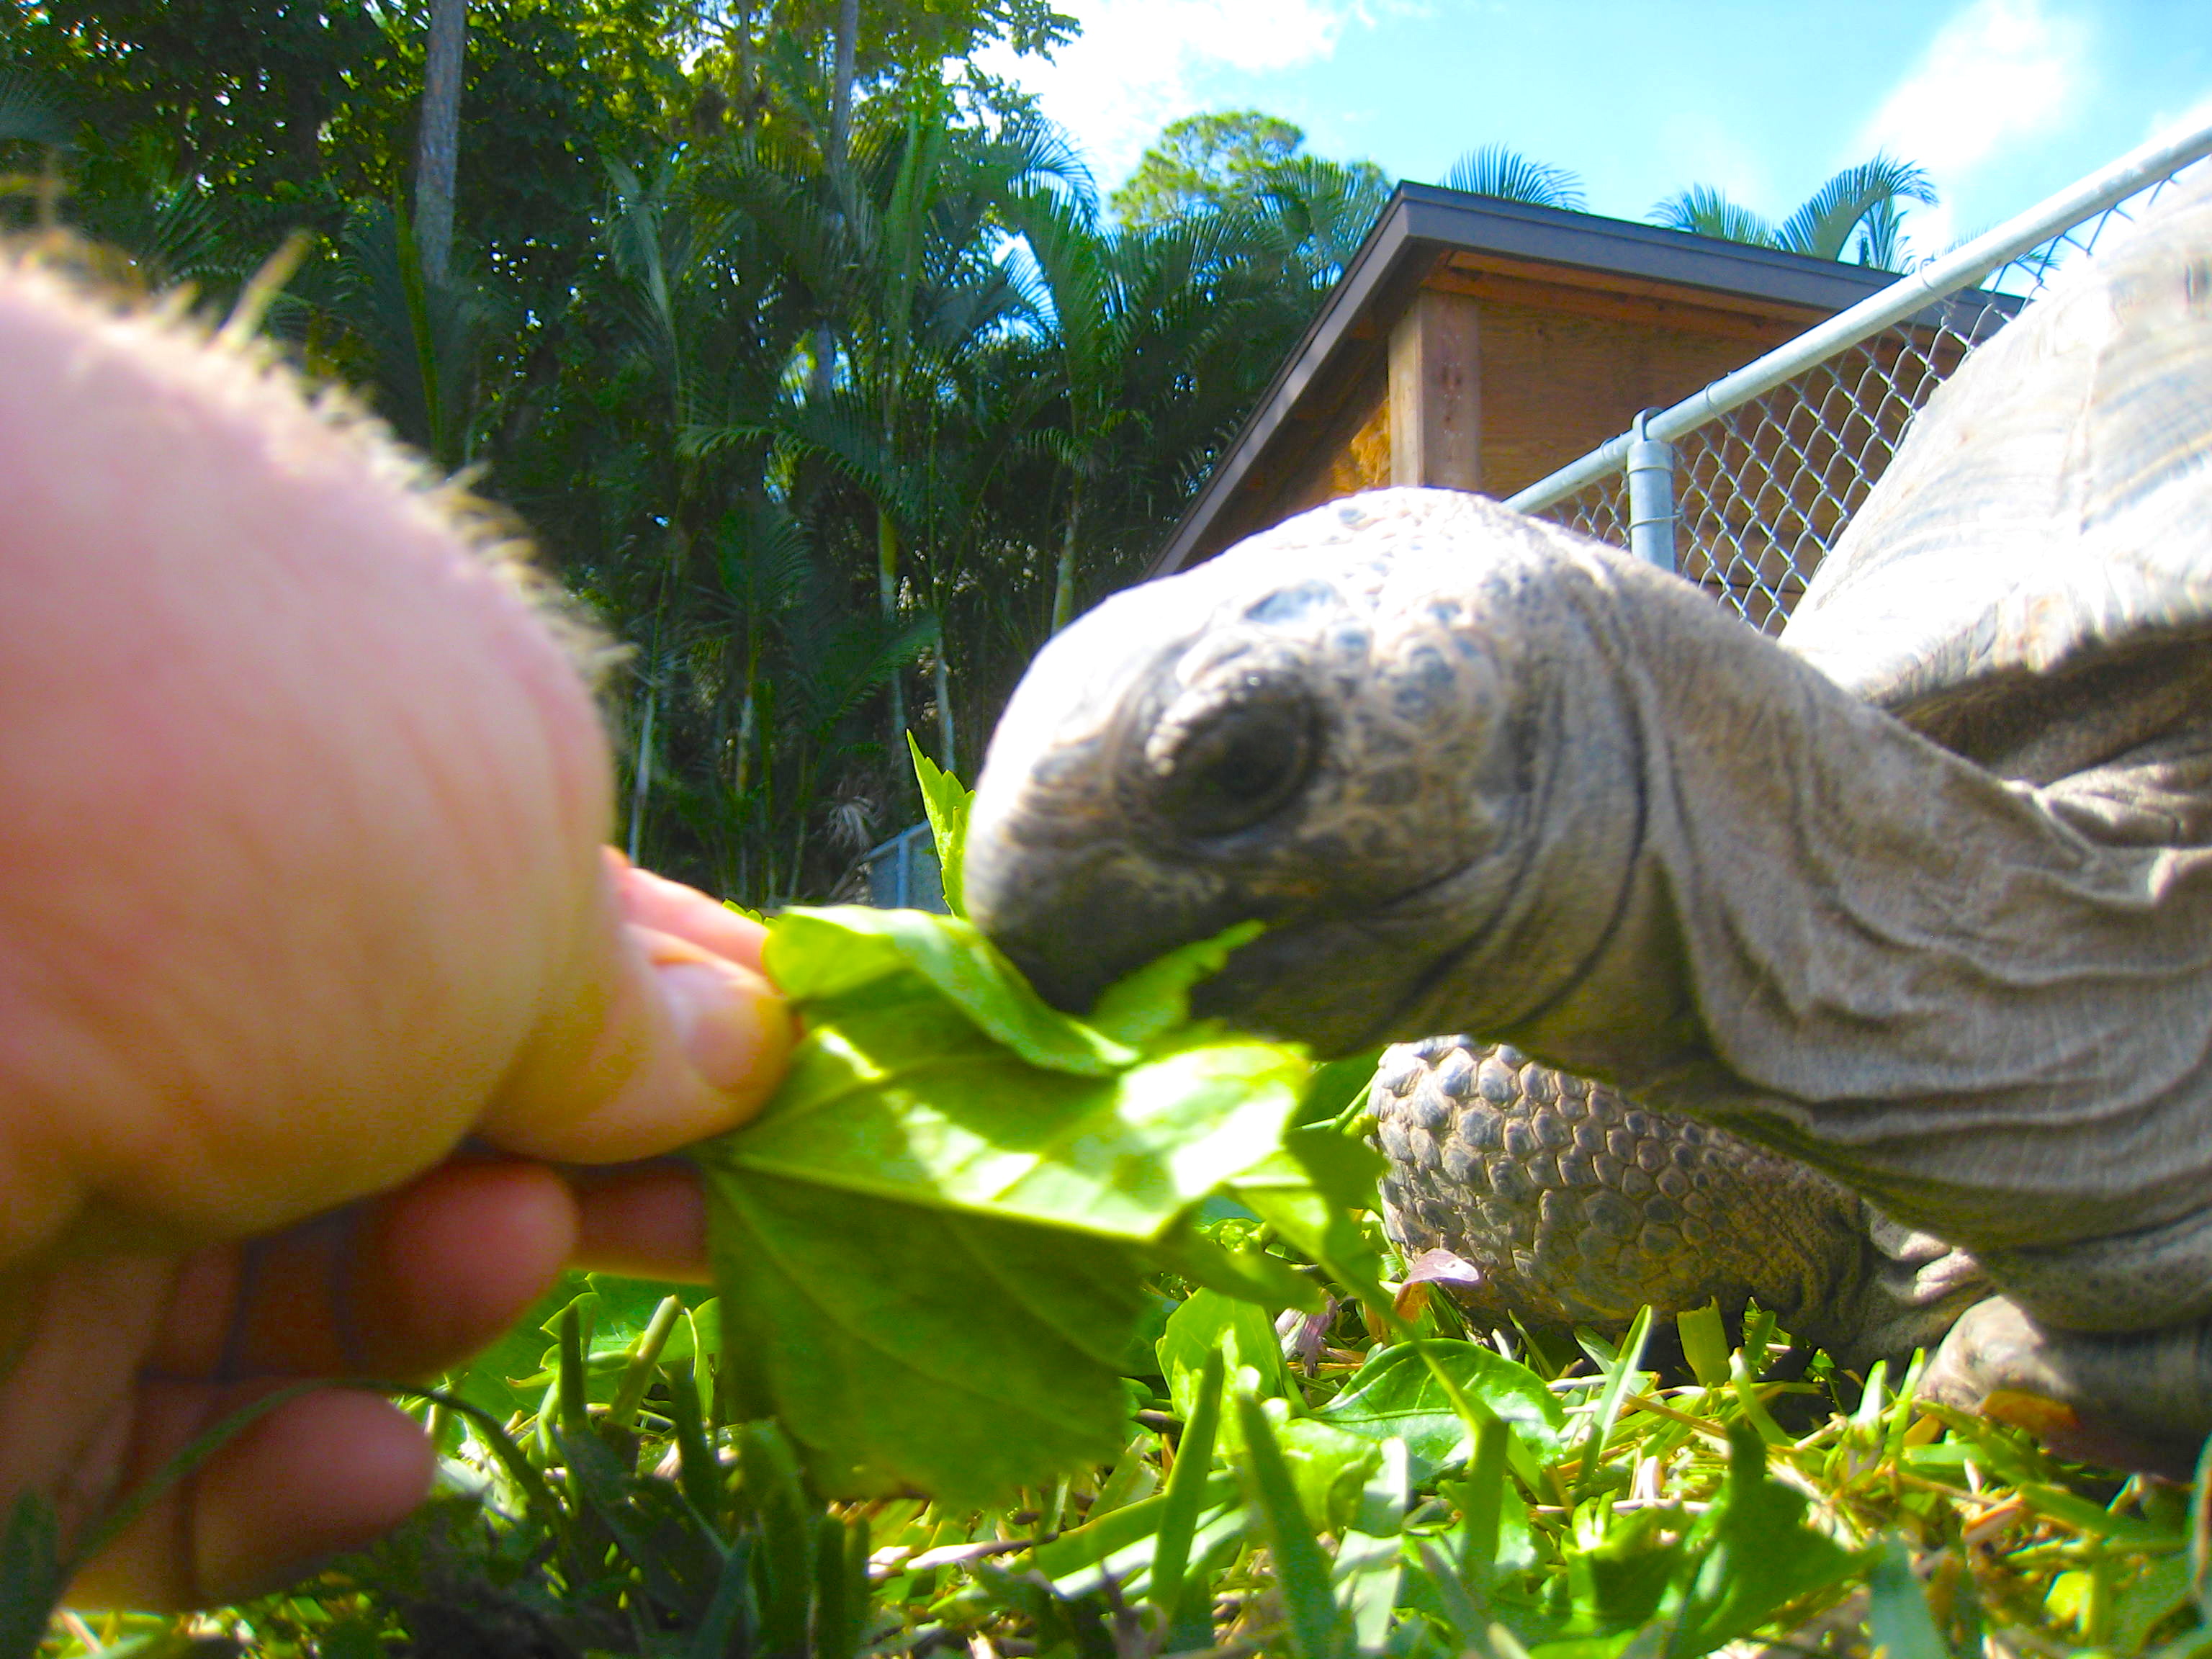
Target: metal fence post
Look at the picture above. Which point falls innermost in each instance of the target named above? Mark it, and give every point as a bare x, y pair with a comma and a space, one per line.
1650, 496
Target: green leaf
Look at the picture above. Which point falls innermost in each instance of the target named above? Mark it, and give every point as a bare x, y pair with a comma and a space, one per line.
818, 954
1481, 1499
906, 1347
1245, 1273
1150, 1517
1145, 1005
1898, 1619
1621, 1376
783, 1560
1623, 1577
904, 1099
1283, 1192
1344, 1171
1338, 1094
1207, 1322
1397, 1394
2200, 1535
936, 1233
512, 1374
840, 1585
1181, 1505
1328, 1468
1704, 1345
946, 800
1370, 1557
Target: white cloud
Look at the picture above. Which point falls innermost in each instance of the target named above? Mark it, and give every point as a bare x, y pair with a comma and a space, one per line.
2000, 73
1141, 64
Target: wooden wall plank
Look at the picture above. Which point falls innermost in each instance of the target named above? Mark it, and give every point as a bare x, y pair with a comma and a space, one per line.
1435, 392
1557, 384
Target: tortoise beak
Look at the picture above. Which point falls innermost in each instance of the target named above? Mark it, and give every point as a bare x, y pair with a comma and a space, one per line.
1076, 915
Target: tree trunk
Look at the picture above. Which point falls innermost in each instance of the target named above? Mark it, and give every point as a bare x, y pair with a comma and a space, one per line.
839, 159
437, 143
1063, 581
948, 753
887, 554
841, 91
641, 774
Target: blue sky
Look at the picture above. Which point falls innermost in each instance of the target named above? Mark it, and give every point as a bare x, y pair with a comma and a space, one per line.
2002, 100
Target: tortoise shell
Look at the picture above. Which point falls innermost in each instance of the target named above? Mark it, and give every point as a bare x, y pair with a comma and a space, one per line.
2052, 510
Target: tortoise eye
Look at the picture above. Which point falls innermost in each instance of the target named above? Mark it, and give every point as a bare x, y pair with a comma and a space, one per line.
1234, 759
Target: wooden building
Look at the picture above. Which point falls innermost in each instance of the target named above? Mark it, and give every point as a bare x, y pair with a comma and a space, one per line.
1477, 344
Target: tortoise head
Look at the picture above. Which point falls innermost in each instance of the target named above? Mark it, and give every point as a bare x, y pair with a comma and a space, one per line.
1326, 729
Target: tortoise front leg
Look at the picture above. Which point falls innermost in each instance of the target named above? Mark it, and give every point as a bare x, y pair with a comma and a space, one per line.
1577, 1206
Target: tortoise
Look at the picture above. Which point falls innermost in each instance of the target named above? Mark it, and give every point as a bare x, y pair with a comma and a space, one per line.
1890, 940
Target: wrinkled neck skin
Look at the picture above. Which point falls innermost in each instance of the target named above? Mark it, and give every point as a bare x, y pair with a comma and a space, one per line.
1570, 949
1832, 936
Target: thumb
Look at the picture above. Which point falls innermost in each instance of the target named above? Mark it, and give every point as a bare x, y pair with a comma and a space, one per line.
664, 1033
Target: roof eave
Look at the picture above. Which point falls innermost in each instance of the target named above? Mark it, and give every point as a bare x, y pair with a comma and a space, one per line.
1422, 223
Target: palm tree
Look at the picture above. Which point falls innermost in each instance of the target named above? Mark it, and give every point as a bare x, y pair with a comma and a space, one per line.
1496, 170
913, 289
1322, 211
1861, 201
437, 153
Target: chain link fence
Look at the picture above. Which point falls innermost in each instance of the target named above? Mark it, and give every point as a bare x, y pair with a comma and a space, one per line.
1769, 464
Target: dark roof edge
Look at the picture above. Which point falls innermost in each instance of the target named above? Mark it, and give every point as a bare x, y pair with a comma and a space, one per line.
1624, 247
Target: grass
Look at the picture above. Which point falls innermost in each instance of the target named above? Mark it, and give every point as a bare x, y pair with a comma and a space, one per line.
1312, 1490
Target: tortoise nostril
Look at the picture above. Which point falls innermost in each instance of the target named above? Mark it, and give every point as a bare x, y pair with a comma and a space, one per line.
1234, 759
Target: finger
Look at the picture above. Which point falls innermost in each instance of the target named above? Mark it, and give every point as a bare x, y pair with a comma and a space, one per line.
670, 907
331, 1472
645, 1221
654, 1043
405, 1287
65, 1398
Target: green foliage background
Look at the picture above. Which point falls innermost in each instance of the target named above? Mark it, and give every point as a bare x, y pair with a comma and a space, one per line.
828, 445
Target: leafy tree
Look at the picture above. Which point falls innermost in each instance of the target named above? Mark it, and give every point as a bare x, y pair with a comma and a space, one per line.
1205, 163
1496, 170
792, 429
1219, 163
1862, 201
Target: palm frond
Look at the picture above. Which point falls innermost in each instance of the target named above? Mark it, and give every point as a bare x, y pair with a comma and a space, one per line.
1703, 210
1823, 226
762, 560
1330, 205
1501, 170
32, 114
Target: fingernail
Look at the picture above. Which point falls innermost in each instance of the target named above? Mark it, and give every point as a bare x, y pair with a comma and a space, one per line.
733, 1028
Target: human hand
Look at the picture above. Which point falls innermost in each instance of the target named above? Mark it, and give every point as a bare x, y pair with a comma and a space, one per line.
301, 889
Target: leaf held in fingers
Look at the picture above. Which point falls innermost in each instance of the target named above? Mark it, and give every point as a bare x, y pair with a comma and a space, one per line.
904, 1346
934, 1237
900, 1096
1146, 1005
814, 955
